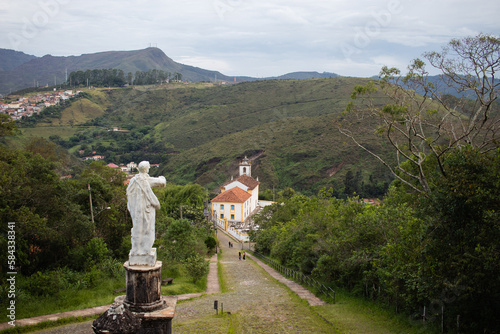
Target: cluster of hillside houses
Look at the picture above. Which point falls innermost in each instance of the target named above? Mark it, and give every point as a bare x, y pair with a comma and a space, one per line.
130, 167
28, 106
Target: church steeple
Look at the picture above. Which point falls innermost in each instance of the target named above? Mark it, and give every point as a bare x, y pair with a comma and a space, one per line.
245, 167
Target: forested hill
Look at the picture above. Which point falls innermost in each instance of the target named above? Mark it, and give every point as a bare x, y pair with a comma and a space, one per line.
50, 70
19, 70
198, 132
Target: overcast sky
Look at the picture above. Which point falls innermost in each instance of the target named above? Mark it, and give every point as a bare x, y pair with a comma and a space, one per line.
257, 38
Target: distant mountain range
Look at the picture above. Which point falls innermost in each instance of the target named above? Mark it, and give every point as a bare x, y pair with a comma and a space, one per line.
19, 70
10, 59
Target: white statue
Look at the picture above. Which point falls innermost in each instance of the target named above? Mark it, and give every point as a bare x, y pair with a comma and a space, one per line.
142, 205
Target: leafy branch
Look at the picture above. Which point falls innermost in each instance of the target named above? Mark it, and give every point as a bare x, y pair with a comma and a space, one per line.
420, 122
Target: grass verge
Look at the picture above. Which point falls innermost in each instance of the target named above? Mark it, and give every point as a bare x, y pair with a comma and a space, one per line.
220, 273
70, 299
183, 285
46, 324
352, 314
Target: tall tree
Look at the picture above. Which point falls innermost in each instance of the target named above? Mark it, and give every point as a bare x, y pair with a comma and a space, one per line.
419, 122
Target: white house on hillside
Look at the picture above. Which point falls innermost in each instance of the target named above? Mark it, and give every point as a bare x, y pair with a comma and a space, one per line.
239, 197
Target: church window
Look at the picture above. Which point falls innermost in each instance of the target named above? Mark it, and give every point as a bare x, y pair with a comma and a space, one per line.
222, 206
221, 216
232, 207
232, 217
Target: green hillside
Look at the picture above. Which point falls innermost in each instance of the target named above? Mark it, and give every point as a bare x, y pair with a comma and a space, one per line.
198, 132
23, 71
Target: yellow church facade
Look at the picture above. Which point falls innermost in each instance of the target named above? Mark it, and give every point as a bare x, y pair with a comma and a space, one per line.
238, 198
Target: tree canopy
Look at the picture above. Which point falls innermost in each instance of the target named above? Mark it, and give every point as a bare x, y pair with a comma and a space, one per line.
115, 77
420, 122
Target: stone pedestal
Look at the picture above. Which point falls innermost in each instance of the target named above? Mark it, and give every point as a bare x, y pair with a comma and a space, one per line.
144, 259
143, 287
143, 310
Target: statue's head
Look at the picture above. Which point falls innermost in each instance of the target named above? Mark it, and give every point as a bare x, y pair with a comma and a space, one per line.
143, 167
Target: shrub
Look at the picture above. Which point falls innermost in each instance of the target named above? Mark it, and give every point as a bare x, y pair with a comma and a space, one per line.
197, 267
113, 268
96, 251
210, 242
92, 277
44, 283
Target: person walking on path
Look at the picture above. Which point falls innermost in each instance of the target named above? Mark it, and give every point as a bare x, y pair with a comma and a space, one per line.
239, 256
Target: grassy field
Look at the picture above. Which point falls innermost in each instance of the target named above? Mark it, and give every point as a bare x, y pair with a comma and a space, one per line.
80, 111
71, 299
260, 304
352, 315
65, 132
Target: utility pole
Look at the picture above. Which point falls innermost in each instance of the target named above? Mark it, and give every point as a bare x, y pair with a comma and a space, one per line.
91, 209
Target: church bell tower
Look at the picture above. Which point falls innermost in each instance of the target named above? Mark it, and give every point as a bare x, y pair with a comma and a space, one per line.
245, 167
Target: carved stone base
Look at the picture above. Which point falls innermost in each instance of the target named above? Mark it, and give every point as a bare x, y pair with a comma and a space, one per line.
143, 259
118, 319
143, 310
143, 287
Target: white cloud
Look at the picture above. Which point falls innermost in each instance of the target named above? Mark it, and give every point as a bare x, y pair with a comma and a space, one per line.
249, 37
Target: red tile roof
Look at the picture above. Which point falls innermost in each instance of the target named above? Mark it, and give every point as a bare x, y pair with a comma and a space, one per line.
234, 195
250, 182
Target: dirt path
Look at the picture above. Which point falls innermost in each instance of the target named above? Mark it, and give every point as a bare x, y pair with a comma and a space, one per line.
256, 301
295, 287
213, 277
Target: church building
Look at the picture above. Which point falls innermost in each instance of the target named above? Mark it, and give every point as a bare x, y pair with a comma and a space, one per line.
239, 197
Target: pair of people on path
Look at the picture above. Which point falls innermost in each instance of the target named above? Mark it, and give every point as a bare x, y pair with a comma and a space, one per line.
239, 255
231, 244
